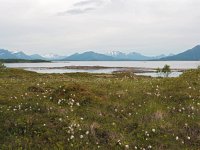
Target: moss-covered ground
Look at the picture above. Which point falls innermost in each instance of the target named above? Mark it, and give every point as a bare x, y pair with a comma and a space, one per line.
96, 111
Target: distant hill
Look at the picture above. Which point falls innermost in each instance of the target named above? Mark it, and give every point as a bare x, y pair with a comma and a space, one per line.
89, 56
5, 54
21, 55
189, 55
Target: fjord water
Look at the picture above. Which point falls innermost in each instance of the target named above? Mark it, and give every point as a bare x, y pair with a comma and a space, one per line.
52, 67
140, 64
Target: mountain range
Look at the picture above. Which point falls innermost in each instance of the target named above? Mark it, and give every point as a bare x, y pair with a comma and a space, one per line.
132, 56
188, 55
5, 54
111, 56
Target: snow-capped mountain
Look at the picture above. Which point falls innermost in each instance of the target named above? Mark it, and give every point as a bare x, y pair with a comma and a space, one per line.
191, 54
52, 56
21, 55
133, 56
5, 54
128, 56
115, 53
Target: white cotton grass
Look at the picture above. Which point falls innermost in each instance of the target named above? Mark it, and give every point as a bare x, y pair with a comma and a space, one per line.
127, 146
87, 132
72, 137
149, 147
177, 138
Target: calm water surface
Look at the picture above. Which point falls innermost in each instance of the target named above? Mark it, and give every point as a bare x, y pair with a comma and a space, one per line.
44, 67
143, 64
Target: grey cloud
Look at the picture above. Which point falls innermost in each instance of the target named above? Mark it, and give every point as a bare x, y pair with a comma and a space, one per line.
76, 11
88, 2
82, 7
151, 26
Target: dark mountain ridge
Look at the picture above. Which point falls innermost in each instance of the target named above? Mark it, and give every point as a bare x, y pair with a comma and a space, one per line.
88, 56
188, 55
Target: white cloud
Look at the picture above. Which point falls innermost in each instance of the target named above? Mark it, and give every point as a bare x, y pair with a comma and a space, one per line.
148, 26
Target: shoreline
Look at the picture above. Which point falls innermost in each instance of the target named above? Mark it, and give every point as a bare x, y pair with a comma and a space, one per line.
117, 69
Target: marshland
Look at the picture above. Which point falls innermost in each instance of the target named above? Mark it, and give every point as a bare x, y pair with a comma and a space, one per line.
98, 111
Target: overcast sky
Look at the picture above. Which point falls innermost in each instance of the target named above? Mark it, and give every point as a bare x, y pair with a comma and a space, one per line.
67, 26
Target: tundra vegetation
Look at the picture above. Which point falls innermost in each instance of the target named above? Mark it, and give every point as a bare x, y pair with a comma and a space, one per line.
98, 111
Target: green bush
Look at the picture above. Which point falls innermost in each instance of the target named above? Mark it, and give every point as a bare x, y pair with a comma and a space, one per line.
166, 70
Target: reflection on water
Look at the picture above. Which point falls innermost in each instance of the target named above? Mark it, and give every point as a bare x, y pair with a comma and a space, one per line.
43, 70
154, 74
107, 71
140, 64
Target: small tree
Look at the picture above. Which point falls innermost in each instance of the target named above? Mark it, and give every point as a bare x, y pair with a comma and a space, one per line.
166, 70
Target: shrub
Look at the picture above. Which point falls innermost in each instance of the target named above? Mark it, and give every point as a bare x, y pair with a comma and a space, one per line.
166, 70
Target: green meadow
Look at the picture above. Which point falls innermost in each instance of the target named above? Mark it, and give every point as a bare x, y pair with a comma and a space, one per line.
83, 111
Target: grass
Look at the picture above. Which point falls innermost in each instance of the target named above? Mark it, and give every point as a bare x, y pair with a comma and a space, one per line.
97, 111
